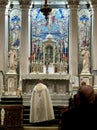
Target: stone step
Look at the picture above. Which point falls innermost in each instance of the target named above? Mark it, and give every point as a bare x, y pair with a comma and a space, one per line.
11, 100
40, 128
57, 111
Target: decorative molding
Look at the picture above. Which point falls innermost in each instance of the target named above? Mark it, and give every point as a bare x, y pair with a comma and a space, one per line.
73, 7
46, 76
94, 2
3, 3
73, 2
86, 78
26, 3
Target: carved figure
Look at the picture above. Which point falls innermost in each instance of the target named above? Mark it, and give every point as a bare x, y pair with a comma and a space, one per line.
2, 116
12, 59
86, 61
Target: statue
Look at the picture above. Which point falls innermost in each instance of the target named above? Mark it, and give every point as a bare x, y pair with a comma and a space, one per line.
2, 116
47, 65
86, 61
12, 60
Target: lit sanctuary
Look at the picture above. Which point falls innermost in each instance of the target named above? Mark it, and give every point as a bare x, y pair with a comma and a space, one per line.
54, 41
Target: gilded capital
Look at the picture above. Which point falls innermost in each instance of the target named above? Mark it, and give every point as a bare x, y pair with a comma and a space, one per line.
3, 3
73, 2
25, 3
94, 2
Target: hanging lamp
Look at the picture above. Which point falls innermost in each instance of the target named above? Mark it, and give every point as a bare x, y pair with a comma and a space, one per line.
45, 10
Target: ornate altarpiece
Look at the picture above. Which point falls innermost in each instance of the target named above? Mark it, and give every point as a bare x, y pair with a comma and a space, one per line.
54, 75
49, 55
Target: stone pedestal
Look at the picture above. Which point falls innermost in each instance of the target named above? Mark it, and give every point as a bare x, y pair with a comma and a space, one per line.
10, 85
88, 78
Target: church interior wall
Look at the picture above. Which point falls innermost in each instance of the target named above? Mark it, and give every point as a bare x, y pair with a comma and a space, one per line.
61, 85
24, 50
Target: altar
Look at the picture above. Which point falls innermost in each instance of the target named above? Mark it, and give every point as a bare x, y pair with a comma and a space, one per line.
58, 86
50, 64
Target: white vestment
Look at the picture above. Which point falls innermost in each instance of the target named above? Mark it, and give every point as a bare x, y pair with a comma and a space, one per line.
41, 108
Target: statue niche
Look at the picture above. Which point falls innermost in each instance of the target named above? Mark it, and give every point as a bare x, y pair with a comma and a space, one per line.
49, 54
49, 49
49, 46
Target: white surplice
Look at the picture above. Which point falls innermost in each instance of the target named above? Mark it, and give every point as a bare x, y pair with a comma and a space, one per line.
41, 108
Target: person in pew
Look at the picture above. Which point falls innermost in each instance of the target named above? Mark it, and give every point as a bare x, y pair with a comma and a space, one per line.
83, 115
73, 101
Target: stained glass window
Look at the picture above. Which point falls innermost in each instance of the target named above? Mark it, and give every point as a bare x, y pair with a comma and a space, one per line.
15, 28
14, 39
55, 26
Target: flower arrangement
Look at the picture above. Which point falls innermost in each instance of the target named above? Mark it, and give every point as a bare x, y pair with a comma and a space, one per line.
64, 58
31, 57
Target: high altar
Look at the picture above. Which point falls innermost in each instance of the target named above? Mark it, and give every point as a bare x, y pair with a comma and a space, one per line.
54, 74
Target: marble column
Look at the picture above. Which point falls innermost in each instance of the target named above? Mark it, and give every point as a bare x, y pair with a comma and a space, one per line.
2, 46
2, 38
73, 41
24, 49
94, 44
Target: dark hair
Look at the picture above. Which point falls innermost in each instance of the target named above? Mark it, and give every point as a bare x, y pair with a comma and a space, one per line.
40, 80
86, 94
